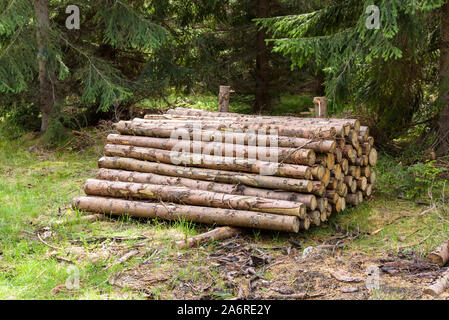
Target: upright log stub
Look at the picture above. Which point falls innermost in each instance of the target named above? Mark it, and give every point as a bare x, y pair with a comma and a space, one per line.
320, 107
223, 99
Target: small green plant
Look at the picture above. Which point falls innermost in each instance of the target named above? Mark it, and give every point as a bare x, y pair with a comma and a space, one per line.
423, 177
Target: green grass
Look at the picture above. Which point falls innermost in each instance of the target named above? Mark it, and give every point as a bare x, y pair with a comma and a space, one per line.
36, 190
287, 103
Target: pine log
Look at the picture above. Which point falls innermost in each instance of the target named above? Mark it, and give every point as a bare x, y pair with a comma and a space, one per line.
344, 166
348, 180
251, 139
441, 285
304, 224
364, 130
327, 160
340, 206
354, 123
315, 218
237, 218
209, 162
318, 172
365, 171
318, 188
354, 198
284, 155
355, 171
338, 155
254, 180
309, 132
333, 196
353, 187
138, 177
369, 190
350, 154
362, 183
210, 236
440, 256
372, 157
372, 177
189, 196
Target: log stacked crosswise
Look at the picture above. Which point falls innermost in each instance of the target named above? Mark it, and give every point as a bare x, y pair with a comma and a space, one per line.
274, 173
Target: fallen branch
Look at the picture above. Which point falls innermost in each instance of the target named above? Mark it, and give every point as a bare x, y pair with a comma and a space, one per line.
440, 256
213, 235
439, 287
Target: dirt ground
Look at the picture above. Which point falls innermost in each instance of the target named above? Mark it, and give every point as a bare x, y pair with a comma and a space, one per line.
243, 268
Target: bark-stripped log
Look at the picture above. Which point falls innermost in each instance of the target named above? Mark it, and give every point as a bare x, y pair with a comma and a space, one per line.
271, 154
237, 218
209, 162
254, 180
252, 138
354, 198
315, 218
210, 236
238, 189
327, 132
354, 123
184, 195
439, 286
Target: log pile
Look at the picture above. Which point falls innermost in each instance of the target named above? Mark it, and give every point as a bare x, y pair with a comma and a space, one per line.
275, 173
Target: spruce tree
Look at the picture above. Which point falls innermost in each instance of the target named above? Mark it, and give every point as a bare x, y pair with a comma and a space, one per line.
35, 44
388, 69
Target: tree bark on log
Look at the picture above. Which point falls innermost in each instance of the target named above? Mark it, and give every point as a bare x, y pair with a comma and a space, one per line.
252, 139
293, 128
210, 236
253, 180
267, 129
150, 178
354, 123
194, 197
210, 162
285, 155
228, 217
439, 286
440, 256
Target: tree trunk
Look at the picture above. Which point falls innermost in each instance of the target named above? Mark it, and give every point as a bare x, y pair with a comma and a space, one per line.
443, 123
46, 90
139, 177
262, 102
229, 217
184, 195
253, 180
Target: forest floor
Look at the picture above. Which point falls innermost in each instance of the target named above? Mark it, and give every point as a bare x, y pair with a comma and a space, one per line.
45, 247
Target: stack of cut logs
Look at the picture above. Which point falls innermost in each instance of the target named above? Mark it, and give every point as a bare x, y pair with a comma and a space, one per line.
275, 173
